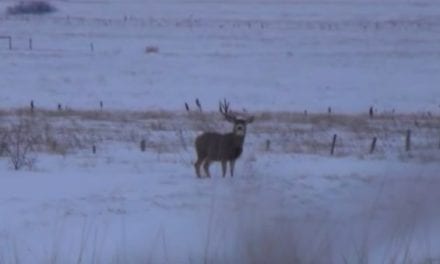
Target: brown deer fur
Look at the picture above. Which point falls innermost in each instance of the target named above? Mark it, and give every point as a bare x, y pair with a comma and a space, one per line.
213, 146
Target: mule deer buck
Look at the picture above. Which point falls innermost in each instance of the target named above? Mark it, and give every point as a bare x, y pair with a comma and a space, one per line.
213, 146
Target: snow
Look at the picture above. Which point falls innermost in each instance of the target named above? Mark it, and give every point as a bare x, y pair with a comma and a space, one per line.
348, 55
136, 206
292, 202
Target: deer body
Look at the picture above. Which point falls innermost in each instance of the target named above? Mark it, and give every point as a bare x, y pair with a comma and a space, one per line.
213, 146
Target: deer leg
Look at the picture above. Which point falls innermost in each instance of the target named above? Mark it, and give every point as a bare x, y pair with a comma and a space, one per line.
197, 167
206, 167
224, 164
231, 166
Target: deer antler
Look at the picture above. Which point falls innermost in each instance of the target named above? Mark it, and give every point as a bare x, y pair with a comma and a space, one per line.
223, 108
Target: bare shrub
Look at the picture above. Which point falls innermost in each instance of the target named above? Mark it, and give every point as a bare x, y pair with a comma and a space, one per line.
32, 7
20, 141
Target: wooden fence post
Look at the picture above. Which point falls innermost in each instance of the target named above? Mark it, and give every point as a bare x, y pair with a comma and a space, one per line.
373, 145
408, 140
332, 150
267, 144
32, 106
143, 145
198, 104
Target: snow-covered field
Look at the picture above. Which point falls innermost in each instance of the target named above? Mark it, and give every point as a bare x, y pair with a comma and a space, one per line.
290, 201
283, 55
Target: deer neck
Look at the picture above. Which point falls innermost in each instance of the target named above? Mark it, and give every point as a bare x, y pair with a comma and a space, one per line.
237, 139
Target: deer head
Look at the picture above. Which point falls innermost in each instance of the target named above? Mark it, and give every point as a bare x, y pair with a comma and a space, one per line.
239, 123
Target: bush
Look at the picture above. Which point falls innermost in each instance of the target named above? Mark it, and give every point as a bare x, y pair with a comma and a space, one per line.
32, 7
18, 143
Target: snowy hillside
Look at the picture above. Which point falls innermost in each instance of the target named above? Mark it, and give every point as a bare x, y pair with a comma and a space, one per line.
307, 70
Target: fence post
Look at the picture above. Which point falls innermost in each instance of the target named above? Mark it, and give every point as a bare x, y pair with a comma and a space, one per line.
143, 145
267, 144
408, 140
30, 44
332, 150
373, 145
198, 104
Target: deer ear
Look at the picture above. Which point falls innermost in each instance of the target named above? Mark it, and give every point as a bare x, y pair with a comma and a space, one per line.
250, 119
